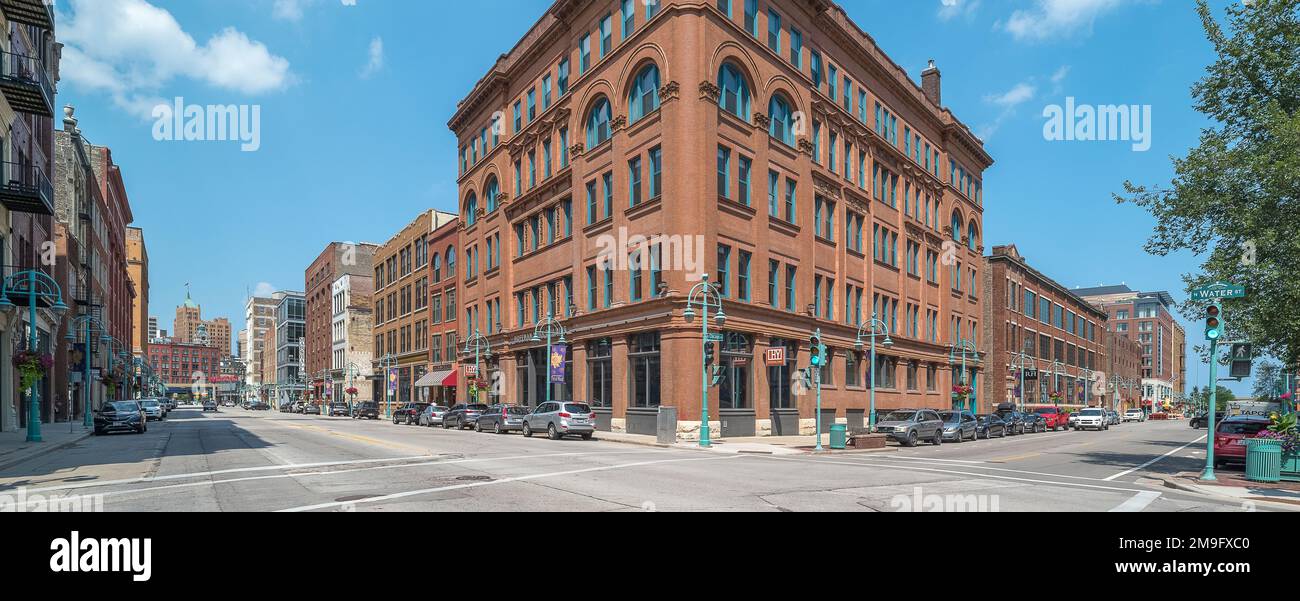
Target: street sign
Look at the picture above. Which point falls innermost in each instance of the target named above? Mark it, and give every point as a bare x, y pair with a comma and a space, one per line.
714, 337
776, 357
471, 370
1219, 290
1031, 374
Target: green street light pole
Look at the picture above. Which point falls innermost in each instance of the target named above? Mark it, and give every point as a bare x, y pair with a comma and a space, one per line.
482, 346
1087, 386
708, 297
34, 285
967, 350
552, 327
90, 325
873, 328
1022, 361
386, 363
1058, 369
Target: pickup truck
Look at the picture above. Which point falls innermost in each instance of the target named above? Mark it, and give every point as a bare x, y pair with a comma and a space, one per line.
1056, 418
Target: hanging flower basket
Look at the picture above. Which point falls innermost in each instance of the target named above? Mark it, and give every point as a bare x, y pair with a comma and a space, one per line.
352, 391
961, 392
1056, 397
32, 366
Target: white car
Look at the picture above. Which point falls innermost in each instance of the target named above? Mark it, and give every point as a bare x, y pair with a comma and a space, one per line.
1135, 415
153, 409
1092, 419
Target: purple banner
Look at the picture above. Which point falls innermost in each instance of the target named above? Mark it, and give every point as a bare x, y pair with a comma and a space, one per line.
559, 353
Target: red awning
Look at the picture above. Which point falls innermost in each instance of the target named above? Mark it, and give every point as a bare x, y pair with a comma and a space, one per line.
450, 380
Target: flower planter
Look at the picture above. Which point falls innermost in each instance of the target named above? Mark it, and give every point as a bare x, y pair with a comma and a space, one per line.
1263, 460
1291, 467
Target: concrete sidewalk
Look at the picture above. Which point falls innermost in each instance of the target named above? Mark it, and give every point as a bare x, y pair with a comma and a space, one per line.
755, 445
14, 448
1235, 486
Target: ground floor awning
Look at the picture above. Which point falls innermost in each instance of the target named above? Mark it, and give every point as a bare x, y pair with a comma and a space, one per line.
437, 378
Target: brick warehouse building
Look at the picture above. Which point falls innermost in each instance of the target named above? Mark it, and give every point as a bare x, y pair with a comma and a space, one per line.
338, 259
680, 118
401, 310
1148, 319
183, 365
443, 376
1064, 334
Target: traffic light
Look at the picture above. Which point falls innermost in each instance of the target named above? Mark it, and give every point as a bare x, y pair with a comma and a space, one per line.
1213, 322
709, 352
816, 351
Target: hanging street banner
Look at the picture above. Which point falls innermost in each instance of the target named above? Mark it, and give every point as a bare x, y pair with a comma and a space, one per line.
392, 380
1219, 290
558, 354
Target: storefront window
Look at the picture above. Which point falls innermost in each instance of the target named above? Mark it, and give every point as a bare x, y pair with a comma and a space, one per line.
643, 357
779, 394
600, 373
737, 356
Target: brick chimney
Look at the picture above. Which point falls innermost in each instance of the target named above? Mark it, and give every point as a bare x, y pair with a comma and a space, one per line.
930, 79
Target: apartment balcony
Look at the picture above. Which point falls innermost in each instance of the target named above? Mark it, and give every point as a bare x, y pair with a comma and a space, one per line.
38, 13
26, 189
26, 85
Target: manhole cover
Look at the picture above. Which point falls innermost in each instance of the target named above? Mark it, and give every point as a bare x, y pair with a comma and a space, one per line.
474, 478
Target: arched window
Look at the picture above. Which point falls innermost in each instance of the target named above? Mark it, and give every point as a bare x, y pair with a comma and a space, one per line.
437, 268
598, 124
471, 209
644, 97
451, 261
490, 196
735, 92
972, 236
782, 127
956, 226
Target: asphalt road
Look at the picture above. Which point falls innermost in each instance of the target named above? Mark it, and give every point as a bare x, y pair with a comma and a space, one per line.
237, 460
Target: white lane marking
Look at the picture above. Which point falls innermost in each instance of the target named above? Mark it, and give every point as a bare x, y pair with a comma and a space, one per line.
959, 473
1000, 469
935, 459
427, 491
1153, 461
269, 468
1136, 504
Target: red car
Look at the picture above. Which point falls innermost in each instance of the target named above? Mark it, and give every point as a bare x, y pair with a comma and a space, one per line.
1230, 437
1056, 419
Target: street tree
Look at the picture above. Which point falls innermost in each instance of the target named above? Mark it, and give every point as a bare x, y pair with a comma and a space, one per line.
1235, 198
1268, 380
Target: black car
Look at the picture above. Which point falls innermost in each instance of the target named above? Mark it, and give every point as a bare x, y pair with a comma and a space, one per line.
987, 426
408, 413
366, 410
1201, 421
120, 416
501, 419
1013, 421
1034, 422
463, 416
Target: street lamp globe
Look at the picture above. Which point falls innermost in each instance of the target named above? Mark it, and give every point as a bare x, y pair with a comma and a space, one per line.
722, 317
689, 314
889, 342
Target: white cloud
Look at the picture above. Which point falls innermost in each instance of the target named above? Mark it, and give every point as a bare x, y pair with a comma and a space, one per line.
376, 61
131, 50
264, 289
1057, 18
1058, 78
951, 9
1008, 101
293, 10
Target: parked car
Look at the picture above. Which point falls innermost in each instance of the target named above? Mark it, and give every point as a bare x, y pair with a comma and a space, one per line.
1074, 420
1034, 422
152, 410
1115, 419
958, 426
501, 419
1014, 422
288, 407
910, 426
559, 419
1055, 418
1201, 421
1135, 415
366, 410
209, 405
310, 409
408, 413
120, 416
338, 409
1092, 418
1230, 437
432, 415
463, 415
988, 425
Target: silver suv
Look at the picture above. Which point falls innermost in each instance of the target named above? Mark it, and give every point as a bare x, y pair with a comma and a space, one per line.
909, 426
560, 419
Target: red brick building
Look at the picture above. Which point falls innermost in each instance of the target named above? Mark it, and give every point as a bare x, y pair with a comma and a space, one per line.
1147, 318
780, 151
182, 365
444, 311
335, 261
1028, 312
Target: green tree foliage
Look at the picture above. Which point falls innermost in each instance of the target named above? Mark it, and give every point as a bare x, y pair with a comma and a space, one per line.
1235, 198
1268, 380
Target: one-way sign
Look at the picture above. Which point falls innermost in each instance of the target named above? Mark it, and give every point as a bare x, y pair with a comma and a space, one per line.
1219, 290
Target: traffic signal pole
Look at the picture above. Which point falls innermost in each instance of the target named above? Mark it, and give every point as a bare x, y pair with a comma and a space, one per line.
1213, 331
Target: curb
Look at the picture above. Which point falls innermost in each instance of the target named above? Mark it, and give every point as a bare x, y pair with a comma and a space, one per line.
8, 462
827, 451
1171, 482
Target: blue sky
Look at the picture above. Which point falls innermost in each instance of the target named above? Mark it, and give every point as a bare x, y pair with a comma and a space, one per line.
355, 96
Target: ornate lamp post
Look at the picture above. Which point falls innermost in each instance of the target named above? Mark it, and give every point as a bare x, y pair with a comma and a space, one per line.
35, 285
551, 327
707, 296
873, 328
1057, 368
1021, 362
351, 372
966, 349
386, 363
482, 347
90, 326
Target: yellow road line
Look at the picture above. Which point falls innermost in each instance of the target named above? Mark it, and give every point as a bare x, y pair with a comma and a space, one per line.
359, 438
